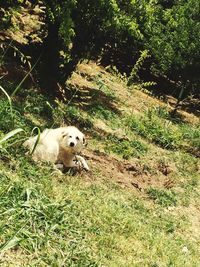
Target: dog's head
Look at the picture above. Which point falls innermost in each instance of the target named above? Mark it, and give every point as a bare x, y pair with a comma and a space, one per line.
72, 139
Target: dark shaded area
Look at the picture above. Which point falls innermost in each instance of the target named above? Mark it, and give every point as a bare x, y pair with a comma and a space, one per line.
90, 98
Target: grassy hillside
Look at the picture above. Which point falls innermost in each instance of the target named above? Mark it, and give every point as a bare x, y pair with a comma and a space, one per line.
139, 204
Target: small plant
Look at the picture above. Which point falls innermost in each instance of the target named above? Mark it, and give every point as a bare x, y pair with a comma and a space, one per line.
137, 67
104, 88
113, 70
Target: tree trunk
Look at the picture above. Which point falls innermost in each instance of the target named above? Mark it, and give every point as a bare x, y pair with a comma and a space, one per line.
50, 60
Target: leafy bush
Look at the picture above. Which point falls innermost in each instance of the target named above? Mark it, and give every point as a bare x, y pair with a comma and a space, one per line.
114, 31
172, 37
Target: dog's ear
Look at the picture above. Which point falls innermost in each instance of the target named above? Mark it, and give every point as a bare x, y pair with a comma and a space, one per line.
64, 134
84, 141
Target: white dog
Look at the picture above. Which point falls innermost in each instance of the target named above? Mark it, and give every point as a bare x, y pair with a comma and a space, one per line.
59, 146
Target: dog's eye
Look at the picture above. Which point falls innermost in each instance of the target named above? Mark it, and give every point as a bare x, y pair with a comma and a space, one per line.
70, 136
77, 138
83, 140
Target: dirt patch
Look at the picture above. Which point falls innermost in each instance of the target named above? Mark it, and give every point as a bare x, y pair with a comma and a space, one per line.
131, 174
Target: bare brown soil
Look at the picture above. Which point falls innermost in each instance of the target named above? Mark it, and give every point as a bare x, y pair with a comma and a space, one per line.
131, 174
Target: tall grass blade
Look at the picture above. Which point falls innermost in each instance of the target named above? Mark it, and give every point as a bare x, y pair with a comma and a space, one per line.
10, 134
37, 140
6, 50
10, 244
28, 73
9, 101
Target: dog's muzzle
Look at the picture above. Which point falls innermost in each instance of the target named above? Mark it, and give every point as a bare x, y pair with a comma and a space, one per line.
72, 144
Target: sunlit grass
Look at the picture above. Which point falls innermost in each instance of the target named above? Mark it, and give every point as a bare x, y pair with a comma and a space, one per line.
49, 219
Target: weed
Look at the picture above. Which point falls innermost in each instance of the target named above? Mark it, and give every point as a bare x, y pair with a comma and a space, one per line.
191, 135
10, 103
9, 135
137, 67
113, 70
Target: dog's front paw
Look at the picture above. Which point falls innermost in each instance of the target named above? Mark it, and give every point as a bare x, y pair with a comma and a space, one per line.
86, 167
82, 163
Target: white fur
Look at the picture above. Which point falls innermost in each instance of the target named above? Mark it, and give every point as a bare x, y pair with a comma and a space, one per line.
59, 146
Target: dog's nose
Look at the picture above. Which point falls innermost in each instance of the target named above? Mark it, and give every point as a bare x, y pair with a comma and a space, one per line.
71, 144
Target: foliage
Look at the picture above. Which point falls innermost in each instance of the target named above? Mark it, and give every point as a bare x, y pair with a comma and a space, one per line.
172, 37
70, 114
155, 129
9, 135
23, 31
113, 31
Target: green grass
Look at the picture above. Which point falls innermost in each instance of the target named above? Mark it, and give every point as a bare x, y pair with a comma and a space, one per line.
86, 225
125, 148
48, 219
101, 112
155, 130
163, 197
158, 127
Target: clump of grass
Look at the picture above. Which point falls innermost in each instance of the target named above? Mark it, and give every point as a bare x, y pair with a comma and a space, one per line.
157, 126
36, 103
101, 112
162, 197
161, 112
191, 135
9, 103
157, 130
125, 148
7, 122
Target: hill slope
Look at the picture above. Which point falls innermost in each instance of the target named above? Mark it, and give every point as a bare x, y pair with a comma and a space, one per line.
139, 204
